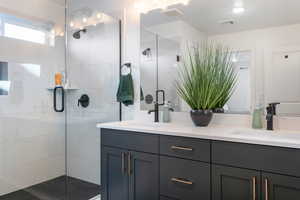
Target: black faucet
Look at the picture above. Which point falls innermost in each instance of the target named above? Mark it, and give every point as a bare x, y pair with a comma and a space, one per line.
156, 105
271, 111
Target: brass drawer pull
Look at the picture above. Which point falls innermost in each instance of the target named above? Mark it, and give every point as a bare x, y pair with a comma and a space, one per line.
177, 180
181, 148
266, 189
254, 188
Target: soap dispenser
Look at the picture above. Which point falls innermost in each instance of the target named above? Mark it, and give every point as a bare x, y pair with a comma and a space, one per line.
257, 116
167, 108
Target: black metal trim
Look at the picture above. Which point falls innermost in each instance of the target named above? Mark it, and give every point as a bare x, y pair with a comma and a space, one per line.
120, 63
62, 97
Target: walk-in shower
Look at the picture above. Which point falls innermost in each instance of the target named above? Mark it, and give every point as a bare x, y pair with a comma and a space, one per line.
46, 154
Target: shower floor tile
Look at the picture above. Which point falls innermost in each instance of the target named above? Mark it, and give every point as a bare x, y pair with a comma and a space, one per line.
61, 188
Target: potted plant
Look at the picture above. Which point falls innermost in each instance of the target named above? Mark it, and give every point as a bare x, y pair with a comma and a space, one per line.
206, 80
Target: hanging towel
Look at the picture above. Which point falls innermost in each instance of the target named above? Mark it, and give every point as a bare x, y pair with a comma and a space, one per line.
125, 93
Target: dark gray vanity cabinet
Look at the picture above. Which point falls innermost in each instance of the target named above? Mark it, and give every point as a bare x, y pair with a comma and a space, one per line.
144, 176
276, 171
115, 182
128, 174
278, 187
183, 179
142, 166
235, 184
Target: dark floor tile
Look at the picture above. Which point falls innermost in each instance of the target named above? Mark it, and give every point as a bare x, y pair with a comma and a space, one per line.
61, 188
19, 195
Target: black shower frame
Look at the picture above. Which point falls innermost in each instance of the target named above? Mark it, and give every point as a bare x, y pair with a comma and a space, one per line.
120, 63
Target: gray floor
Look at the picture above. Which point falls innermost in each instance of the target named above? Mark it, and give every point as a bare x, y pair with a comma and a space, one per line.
62, 188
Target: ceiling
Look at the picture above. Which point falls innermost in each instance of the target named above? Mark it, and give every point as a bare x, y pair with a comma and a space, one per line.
205, 15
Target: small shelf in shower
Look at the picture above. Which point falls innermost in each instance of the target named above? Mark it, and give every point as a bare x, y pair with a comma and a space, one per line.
66, 88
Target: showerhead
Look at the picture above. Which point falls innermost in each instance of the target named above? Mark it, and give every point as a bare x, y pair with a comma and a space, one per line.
146, 52
77, 34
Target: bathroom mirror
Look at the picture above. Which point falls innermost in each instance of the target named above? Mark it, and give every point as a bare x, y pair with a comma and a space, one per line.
266, 48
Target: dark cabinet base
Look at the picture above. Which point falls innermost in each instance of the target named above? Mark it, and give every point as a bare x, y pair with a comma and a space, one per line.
114, 183
277, 187
235, 184
140, 166
184, 179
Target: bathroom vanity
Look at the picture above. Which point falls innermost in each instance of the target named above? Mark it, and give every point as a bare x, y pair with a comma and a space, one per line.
169, 162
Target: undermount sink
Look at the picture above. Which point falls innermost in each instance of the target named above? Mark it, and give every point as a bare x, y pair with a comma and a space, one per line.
264, 134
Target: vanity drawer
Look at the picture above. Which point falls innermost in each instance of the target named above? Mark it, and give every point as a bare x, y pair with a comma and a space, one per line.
258, 157
130, 140
184, 179
189, 148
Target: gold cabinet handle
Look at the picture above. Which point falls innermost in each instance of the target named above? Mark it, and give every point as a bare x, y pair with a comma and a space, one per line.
123, 163
181, 148
254, 188
266, 189
178, 180
129, 164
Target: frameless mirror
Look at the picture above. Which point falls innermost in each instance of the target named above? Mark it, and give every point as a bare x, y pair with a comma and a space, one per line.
265, 46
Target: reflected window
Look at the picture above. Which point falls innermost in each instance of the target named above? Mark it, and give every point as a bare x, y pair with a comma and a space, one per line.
4, 83
240, 101
26, 30
23, 33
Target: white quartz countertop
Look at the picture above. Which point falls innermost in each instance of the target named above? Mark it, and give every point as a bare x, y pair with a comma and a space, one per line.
290, 139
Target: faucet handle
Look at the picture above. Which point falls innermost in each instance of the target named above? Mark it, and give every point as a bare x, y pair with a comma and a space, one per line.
272, 108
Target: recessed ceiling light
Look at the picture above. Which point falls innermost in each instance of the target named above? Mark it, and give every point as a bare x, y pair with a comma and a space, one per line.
238, 10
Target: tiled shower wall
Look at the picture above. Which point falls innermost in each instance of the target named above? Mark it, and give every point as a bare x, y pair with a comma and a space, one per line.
31, 134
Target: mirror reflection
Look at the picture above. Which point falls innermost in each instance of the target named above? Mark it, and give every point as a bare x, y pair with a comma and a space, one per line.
266, 55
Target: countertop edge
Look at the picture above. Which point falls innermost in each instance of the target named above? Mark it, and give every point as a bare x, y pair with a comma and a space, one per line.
216, 137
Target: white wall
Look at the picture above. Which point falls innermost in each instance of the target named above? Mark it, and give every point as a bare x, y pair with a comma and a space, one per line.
262, 43
31, 134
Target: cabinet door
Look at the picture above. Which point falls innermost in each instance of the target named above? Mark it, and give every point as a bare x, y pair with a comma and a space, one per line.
278, 187
235, 184
114, 179
144, 176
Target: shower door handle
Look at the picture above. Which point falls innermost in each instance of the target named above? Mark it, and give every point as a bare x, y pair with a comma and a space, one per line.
62, 99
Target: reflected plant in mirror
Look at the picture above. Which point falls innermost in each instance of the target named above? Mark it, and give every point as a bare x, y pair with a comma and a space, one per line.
206, 80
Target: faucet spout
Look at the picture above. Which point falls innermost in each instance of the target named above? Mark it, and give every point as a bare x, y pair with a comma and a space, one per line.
271, 111
156, 105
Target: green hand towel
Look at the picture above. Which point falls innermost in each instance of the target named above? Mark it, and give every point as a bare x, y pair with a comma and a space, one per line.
125, 93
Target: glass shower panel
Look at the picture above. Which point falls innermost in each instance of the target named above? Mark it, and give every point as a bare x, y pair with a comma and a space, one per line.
93, 69
32, 135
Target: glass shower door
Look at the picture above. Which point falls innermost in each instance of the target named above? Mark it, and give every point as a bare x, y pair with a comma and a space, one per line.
93, 62
32, 135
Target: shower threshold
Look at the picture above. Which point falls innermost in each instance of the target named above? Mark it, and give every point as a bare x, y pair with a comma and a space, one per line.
61, 188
